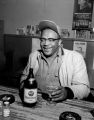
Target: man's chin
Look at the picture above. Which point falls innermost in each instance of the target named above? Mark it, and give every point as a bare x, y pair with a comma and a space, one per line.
47, 54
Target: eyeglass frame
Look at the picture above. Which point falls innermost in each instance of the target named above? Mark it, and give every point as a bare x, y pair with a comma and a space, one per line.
43, 40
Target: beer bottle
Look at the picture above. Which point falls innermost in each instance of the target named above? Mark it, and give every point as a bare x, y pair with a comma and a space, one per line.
30, 90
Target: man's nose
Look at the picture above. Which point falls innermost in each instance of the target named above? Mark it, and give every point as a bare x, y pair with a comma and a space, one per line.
47, 42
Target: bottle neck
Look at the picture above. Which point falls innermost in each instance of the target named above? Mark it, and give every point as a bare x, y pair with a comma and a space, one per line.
6, 103
31, 75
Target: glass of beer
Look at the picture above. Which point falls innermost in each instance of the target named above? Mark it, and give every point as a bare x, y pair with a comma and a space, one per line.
50, 89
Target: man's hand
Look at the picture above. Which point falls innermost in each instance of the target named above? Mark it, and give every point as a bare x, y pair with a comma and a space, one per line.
59, 95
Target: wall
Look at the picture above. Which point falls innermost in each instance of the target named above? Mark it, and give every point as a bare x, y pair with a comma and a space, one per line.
19, 13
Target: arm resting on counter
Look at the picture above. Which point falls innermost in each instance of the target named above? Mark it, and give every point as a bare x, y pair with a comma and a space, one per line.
73, 74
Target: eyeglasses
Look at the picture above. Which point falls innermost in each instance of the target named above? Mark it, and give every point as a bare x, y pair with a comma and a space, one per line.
43, 40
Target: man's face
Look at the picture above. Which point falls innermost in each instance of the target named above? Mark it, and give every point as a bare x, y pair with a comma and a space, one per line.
49, 42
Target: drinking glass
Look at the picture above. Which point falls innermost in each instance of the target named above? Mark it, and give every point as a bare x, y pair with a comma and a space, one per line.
50, 89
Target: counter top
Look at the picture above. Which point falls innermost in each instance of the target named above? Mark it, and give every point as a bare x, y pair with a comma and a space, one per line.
43, 110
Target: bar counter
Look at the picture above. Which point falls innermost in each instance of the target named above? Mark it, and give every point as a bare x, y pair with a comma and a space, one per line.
43, 110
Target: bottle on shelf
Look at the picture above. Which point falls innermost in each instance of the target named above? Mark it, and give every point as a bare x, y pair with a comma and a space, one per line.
33, 30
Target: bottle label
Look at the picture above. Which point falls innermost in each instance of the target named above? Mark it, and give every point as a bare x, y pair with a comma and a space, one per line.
6, 112
30, 95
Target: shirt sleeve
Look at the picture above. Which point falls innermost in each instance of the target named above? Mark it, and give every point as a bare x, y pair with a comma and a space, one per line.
26, 70
80, 83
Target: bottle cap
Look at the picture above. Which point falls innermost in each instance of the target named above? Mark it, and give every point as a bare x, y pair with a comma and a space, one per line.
6, 102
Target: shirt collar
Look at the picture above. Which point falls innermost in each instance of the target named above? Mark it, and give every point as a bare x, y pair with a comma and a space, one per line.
60, 51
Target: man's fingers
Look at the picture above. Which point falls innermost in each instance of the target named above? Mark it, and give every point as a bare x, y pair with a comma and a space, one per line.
58, 95
60, 98
56, 92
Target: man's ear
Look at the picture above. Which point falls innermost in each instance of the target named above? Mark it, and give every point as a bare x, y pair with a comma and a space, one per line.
60, 42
